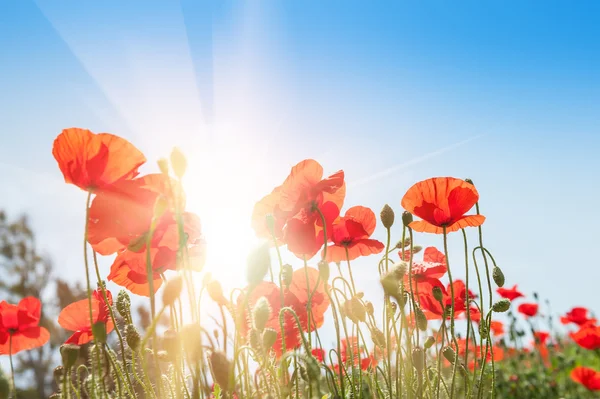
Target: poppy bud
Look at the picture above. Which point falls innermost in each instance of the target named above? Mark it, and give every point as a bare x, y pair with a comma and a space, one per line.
369, 308
124, 305
132, 336
215, 292
172, 290
429, 342
261, 312
269, 336
220, 367
324, 271
416, 249
421, 319
390, 310
418, 359
483, 331
387, 216
378, 337
437, 293
258, 263
69, 354
254, 339
403, 244
163, 166
99, 332
389, 282
449, 354
407, 218
400, 269
58, 374
358, 309
501, 306
287, 274
498, 276
178, 162
346, 310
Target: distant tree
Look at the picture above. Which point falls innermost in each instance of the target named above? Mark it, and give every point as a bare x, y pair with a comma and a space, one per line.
24, 271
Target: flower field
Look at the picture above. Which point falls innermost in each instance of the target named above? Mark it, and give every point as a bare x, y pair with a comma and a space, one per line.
426, 334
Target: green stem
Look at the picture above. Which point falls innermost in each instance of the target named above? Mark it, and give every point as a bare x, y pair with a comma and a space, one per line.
87, 272
12, 368
452, 333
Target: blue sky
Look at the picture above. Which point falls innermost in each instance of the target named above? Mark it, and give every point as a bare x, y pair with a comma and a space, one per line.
506, 93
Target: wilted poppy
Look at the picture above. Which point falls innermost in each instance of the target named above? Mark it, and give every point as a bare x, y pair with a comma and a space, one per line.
587, 377
509, 293
304, 188
19, 328
442, 203
95, 161
76, 317
587, 337
528, 309
350, 236
577, 315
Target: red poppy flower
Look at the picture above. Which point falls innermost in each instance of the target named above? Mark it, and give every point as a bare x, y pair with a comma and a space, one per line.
475, 314
76, 317
21, 322
351, 233
302, 287
95, 161
304, 188
528, 309
577, 315
587, 337
350, 349
318, 354
587, 377
426, 274
540, 337
272, 293
497, 328
433, 309
509, 293
304, 233
442, 202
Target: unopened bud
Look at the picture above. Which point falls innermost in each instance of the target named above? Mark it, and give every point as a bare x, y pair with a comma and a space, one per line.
358, 309
286, 274
69, 354
178, 162
437, 294
378, 337
163, 166
99, 332
483, 331
429, 342
403, 244
124, 305
399, 269
220, 367
420, 319
269, 336
501, 306
449, 354
172, 290
407, 218
498, 276
416, 249
387, 216
261, 312
58, 374
258, 263
132, 336
390, 285
369, 308
418, 359
324, 271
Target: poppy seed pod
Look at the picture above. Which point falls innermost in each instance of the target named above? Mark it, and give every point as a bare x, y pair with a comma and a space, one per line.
387, 216
437, 293
220, 367
124, 305
449, 354
498, 276
324, 271
69, 354
58, 374
172, 290
178, 162
286, 274
261, 312
407, 218
418, 359
99, 332
421, 319
132, 336
429, 342
258, 263
163, 166
501, 306
269, 336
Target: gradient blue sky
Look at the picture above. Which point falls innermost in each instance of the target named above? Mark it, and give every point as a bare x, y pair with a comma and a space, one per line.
506, 93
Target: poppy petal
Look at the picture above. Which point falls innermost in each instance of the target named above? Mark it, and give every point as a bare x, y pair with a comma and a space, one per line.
135, 282
364, 216
30, 338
